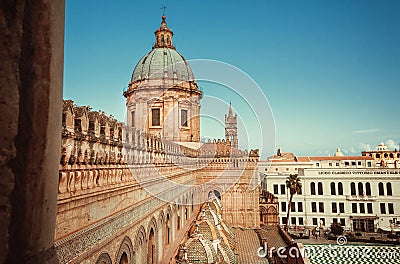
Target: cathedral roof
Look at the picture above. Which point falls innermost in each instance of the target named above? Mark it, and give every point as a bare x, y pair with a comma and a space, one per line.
163, 61
200, 250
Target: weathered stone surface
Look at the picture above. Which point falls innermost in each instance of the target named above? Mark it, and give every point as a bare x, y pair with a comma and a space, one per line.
115, 179
31, 55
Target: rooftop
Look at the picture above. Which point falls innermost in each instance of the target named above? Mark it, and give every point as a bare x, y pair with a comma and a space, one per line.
247, 246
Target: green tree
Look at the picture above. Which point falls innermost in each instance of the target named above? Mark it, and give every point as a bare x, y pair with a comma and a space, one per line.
293, 183
337, 229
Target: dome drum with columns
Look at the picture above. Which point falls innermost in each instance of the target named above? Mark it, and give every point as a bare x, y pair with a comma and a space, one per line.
164, 90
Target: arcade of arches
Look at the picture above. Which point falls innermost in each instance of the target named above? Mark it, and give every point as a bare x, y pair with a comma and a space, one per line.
269, 210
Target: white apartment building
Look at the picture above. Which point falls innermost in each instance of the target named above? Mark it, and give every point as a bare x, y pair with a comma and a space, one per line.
350, 190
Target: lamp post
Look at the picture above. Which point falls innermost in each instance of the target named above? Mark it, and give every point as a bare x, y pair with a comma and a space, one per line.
306, 226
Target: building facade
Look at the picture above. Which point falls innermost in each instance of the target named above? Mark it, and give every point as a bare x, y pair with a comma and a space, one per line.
384, 157
350, 190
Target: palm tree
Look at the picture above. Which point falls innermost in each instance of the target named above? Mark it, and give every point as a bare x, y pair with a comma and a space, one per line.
293, 183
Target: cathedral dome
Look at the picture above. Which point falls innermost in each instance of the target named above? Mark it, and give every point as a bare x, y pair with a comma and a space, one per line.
208, 213
338, 153
200, 250
163, 61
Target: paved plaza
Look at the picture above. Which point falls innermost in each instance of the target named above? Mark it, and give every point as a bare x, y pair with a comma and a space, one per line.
349, 254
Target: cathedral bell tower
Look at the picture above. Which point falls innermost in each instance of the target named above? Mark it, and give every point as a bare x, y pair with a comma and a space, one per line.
231, 128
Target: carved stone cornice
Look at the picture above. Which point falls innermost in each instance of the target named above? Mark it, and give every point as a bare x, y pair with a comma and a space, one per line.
79, 244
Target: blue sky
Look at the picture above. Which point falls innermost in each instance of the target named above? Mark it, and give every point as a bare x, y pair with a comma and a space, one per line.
329, 69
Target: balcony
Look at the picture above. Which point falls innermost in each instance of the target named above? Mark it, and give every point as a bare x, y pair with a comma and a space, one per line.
360, 198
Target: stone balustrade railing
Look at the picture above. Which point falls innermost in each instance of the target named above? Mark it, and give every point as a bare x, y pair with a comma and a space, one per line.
97, 151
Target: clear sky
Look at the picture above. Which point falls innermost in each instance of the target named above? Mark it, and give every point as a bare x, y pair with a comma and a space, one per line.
330, 69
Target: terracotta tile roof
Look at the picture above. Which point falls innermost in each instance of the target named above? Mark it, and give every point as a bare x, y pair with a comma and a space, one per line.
284, 155
295, 159
279, 159
342, 158
283, 160
248, 244
303, 159
271, 235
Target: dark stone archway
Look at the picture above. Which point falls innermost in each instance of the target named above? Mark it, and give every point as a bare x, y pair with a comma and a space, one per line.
125, 252
104, 258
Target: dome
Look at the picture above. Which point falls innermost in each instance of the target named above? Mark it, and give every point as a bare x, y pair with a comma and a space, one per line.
227, 230
203, 235
209, 214
226, 254
338, 153
200, 250
162, 63
163, 75
215, 205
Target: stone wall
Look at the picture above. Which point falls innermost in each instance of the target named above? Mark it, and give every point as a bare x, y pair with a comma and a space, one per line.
115, 180
31, 70
236, 180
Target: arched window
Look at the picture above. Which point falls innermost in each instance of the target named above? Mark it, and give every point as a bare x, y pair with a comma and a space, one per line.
320, 189
151, 248
178, 222
389, 188
333, 188
360, 188
312, 187
162, 39
168, 230
353, 188
380, 187
263, 215
214, 194
104, 258
124, 259
192, 202
340, 188
368, 189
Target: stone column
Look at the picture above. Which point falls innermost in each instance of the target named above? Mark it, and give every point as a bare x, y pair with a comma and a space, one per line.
31, 70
